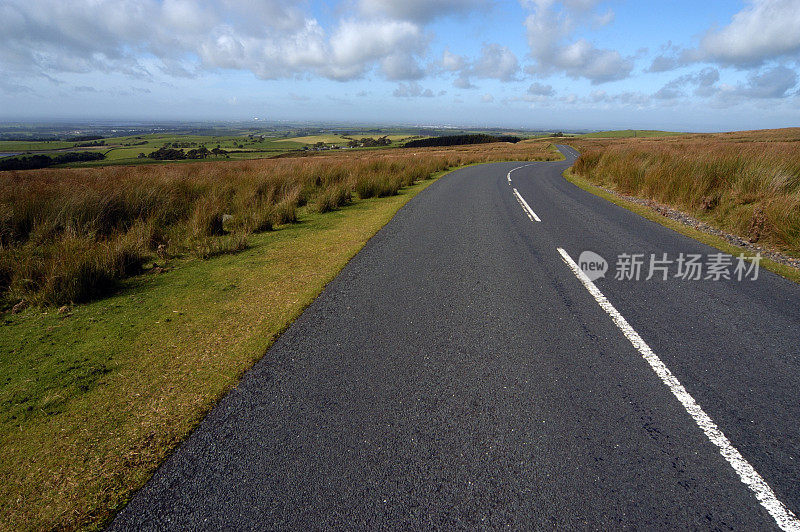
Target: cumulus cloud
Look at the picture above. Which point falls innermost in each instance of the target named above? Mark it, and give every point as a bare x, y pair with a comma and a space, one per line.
412, 90
763, 30
667, 59
703, 81
664, 63
452, 62
357, 44
550, 30
494, 62
487, 98
401, 66
771, 83
765, 84
497, 62
538, 89
271, 38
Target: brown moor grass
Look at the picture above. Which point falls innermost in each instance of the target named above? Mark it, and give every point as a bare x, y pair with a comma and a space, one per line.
747, 183
70, 235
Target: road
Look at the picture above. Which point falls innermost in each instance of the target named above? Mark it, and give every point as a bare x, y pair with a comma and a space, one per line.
459, 373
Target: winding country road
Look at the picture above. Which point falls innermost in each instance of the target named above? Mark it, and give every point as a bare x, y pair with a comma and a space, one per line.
463, 372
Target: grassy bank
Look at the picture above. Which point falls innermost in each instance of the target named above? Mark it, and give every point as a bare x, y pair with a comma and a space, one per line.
95, 395
94, 398
747, 184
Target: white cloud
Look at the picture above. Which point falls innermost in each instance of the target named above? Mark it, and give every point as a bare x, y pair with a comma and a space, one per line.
766, 84
452, 62
401, 66
703, 81
550, 28
771, 83
487, 98
764, 30
357, 44
494, 62
412, 90
538, 89
462, 82
271, 38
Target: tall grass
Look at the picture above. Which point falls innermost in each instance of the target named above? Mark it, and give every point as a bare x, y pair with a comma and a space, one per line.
70, 235
750, 188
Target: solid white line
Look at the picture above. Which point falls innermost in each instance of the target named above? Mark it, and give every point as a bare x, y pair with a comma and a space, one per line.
784, 517
526, 207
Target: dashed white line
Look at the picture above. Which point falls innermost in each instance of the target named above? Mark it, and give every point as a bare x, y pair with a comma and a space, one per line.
784, 517
526, 207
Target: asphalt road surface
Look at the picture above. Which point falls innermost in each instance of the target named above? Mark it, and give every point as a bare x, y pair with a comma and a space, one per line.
462, 372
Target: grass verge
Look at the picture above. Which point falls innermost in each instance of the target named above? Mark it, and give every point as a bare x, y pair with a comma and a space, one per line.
711, 240
93, 398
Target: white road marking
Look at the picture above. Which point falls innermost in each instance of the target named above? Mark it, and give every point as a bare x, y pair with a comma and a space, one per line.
508, 175
784, 517
526, 207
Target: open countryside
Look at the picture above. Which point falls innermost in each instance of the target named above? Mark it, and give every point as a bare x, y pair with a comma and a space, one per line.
378, 265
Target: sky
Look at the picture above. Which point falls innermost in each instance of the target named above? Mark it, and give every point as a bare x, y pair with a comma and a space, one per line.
536, 64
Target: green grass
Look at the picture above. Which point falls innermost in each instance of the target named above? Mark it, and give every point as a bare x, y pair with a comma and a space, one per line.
793, 274
94, 398
629, 133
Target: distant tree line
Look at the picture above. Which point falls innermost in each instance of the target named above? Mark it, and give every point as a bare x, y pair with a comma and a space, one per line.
369, 142
455, 140
84, 138
91, 144
173, 154
31, 162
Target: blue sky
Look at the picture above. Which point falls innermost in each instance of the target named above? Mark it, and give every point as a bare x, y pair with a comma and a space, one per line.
680, 65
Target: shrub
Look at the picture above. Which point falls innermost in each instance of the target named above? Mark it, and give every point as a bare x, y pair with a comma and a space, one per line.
285, 212
332, 198
206, 219
373, 186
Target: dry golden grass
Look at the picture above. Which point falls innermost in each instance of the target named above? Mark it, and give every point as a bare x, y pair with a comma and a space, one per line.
747, 183
70, 235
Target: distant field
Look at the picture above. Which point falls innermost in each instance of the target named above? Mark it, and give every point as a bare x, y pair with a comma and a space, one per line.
629, 133
126, 150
